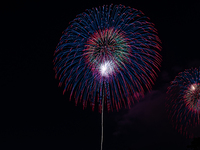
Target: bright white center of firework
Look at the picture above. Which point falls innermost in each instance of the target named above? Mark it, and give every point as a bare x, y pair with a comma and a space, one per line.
193, 87
106, 68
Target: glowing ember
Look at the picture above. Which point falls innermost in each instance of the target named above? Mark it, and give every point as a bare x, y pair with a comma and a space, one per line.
193, 87
106, 68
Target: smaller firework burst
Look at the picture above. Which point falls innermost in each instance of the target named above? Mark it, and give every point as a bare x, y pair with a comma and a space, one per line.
183, 101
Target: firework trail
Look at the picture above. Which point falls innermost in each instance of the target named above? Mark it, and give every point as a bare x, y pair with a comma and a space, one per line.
183, 101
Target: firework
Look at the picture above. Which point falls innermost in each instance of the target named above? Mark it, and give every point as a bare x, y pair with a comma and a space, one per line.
110, 52
183, 105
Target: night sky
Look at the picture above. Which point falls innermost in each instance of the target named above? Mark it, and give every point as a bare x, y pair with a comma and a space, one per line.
35, 113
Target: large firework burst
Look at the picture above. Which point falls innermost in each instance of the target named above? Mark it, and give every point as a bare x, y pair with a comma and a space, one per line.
110, 52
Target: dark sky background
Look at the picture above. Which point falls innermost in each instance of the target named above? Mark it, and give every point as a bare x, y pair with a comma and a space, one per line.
35, 114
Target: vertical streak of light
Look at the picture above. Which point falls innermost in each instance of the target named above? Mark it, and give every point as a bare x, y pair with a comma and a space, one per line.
102, 121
